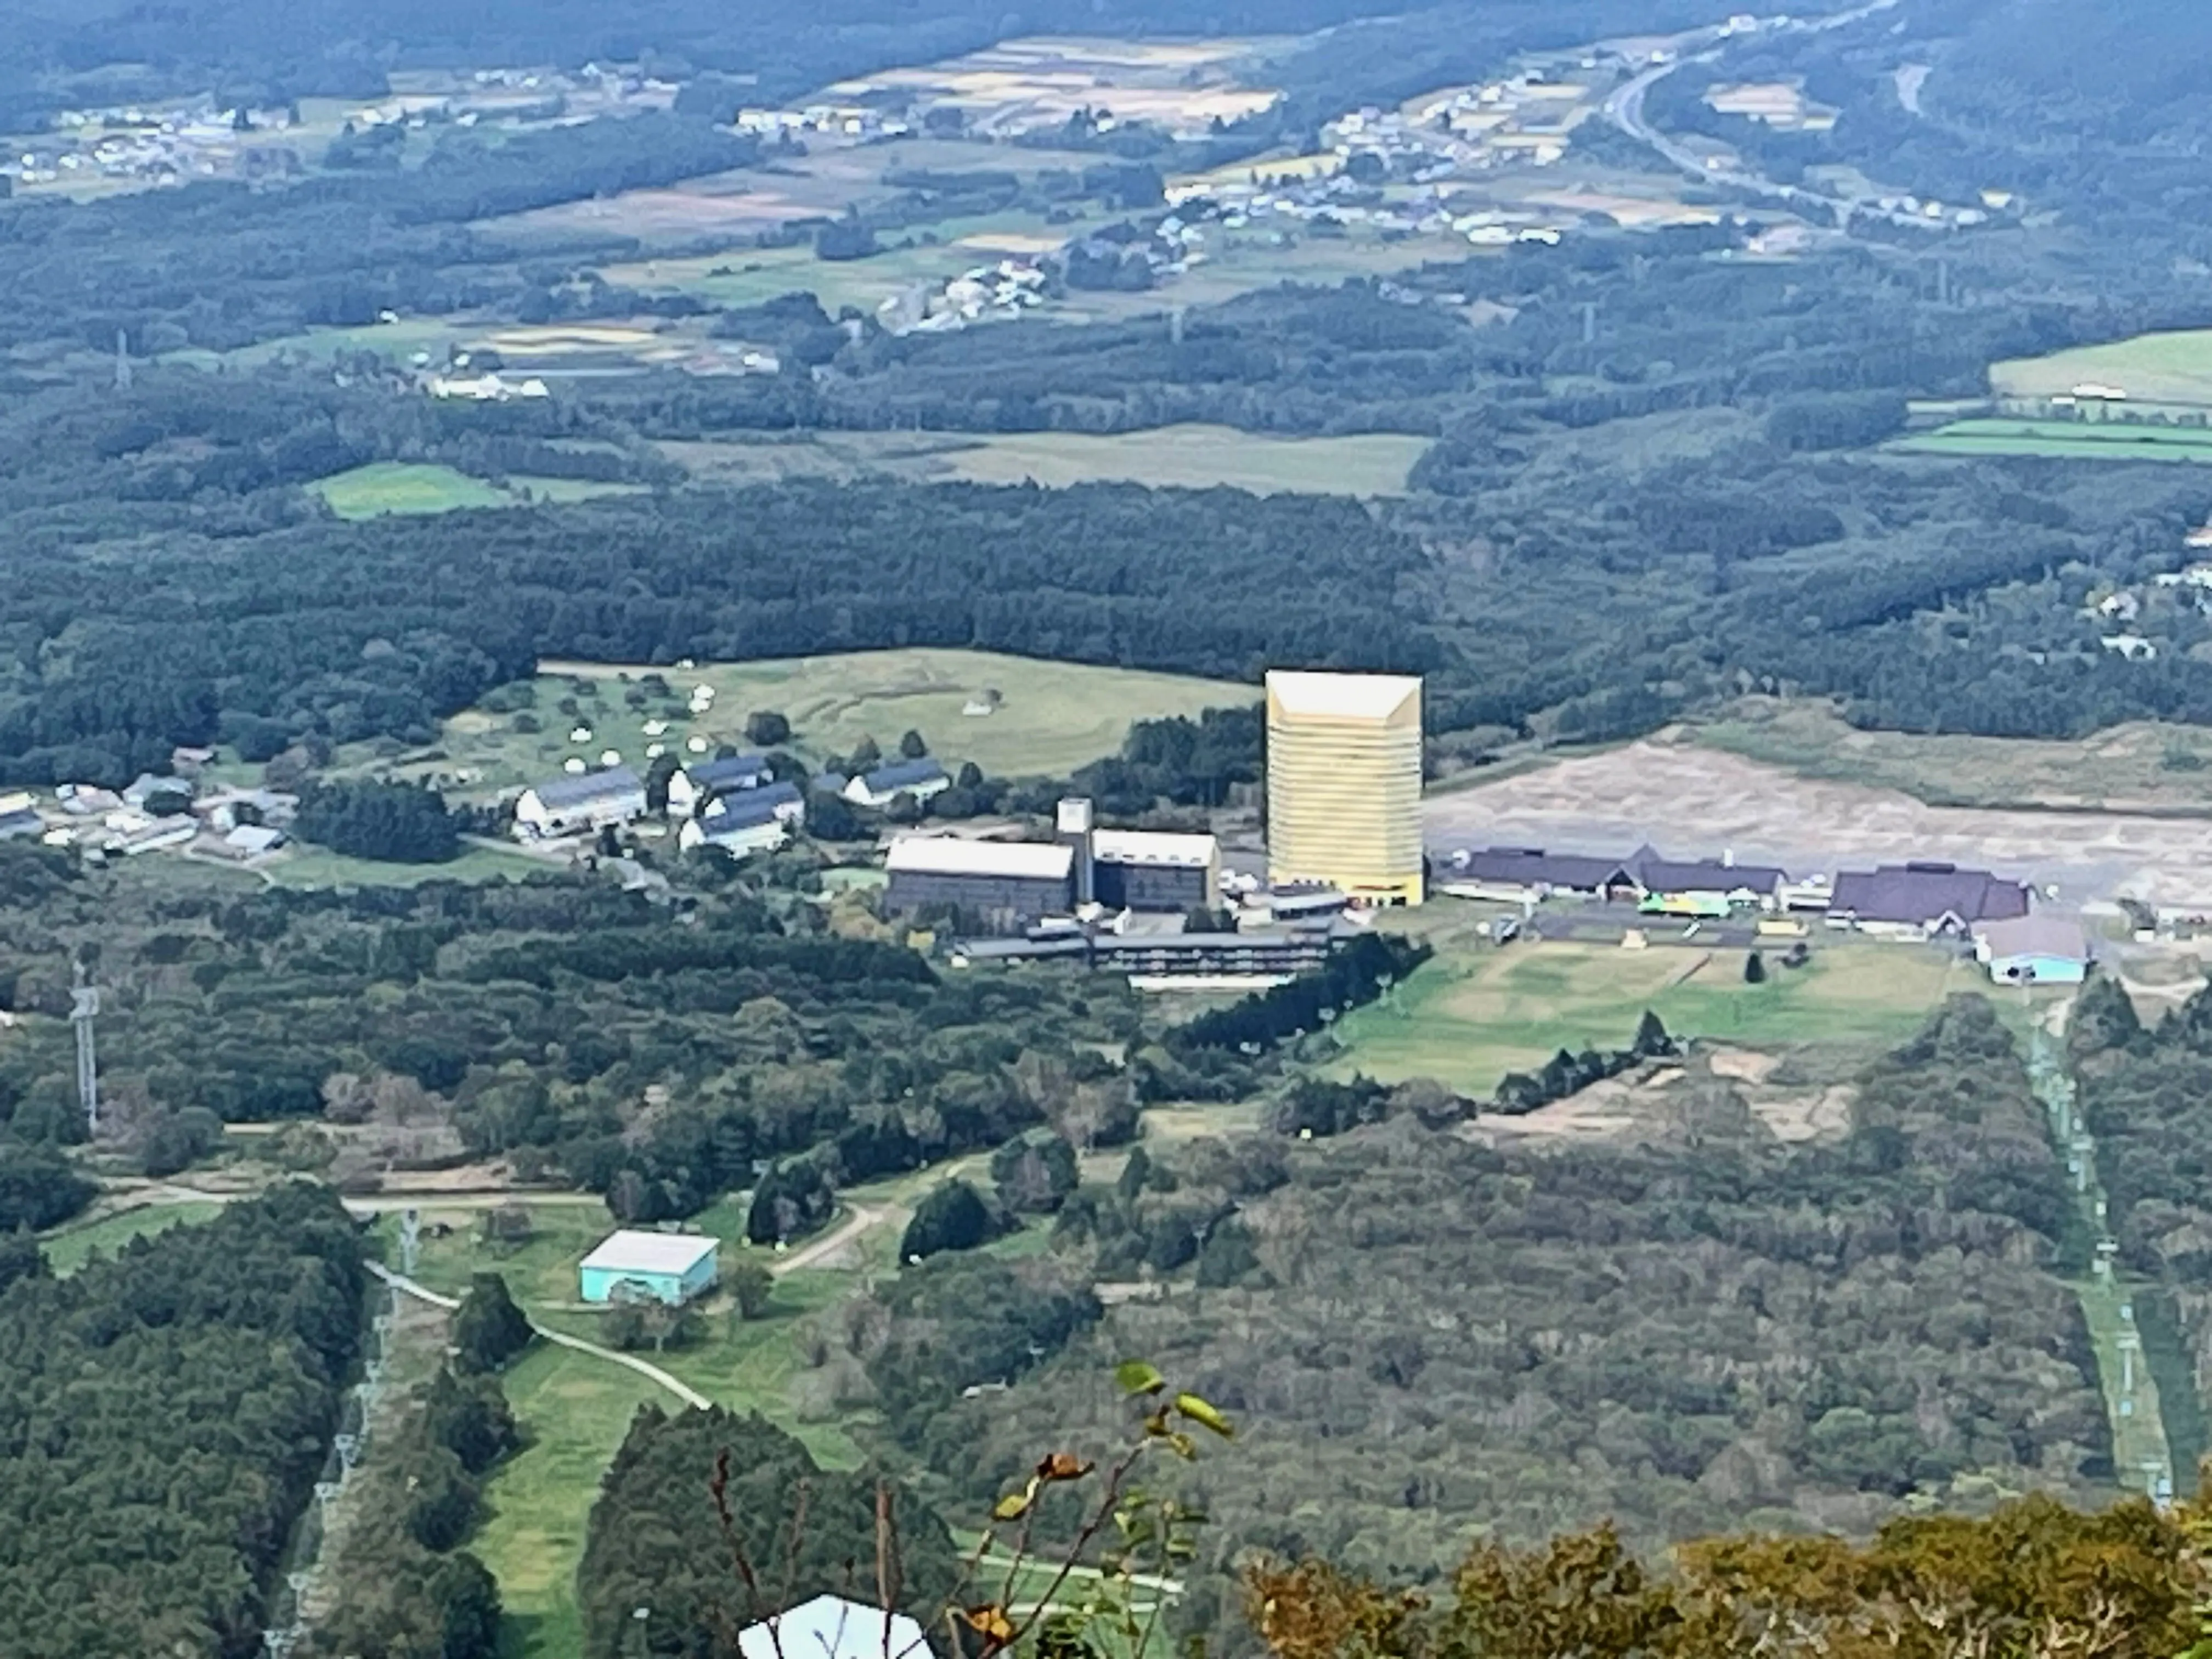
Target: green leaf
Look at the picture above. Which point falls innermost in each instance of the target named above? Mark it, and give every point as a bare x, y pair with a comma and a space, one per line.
1135, 1376
1011, 1507
1206, 1414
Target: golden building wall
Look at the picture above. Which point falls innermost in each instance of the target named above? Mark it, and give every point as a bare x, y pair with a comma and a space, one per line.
1344, 783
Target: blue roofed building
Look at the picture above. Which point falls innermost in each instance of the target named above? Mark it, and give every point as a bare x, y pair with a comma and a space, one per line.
750, 821
915, 780
693, 788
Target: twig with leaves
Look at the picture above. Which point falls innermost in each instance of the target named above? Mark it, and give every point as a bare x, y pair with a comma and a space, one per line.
1152, 1531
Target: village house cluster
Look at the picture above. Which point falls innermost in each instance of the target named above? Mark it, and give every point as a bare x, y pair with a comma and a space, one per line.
177, 812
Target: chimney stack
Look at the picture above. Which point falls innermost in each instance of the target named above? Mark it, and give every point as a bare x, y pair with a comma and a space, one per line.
1074, 825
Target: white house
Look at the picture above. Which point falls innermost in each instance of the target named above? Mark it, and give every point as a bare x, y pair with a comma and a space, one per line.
917, 779
578, 805
748, 822
692, 786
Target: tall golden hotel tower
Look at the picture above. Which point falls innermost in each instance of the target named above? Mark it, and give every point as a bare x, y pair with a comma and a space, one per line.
1344, 783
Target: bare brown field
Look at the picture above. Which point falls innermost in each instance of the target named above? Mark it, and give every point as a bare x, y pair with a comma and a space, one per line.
741, 204
1665, 1104
2141, 767
1688, 798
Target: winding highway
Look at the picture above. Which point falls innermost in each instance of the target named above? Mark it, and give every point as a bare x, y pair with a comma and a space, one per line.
1624, 108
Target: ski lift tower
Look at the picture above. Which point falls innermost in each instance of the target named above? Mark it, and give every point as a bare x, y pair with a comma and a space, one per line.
84, 1008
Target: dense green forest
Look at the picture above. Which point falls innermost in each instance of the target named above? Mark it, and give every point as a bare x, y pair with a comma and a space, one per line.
714, 1521
2143, 1092
1996, 71
405, 1588
1654, 481
1724, 533
658, 1052
1710, 1329
163, 1419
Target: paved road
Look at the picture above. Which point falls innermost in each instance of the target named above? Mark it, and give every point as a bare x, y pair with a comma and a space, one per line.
1624, 108
683, 1390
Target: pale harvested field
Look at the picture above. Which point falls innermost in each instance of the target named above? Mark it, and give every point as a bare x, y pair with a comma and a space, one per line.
1637, 212
1688, 800
680, 211
1192, 457
1197, 457
2167, 367
1027, 85
2141, 767
1661, 1106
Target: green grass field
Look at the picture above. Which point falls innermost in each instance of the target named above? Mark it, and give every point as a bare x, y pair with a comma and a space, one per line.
2076, 441
72, 1246
1052, 717
405, 487
2125, 768
1476, 1012
749, 277
575, 1407
2170, 367
316, 867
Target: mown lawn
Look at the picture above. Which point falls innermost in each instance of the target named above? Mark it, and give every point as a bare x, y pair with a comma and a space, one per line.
1476, 1012
72, 1246
1051, 717
409, 487
2079, 440
316, 867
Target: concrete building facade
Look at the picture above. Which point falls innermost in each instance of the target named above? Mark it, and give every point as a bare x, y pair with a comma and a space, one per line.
1344, 784
1002, 885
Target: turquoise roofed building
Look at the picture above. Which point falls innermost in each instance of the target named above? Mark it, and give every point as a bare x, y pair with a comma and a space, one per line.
637, 1267
2033, 950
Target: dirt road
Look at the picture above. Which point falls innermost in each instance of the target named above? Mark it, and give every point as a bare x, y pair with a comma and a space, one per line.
854, 1225
683, 1391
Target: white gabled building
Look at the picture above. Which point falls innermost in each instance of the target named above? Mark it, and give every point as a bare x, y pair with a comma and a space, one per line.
916, 779
750, 821
579, 805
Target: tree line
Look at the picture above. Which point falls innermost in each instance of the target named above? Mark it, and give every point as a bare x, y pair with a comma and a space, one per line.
164, 1417
1710, 1327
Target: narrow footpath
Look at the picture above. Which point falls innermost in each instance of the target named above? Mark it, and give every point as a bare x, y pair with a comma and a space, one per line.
2141, 1460
683, 1390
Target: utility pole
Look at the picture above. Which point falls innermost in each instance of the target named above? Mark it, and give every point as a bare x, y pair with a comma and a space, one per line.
84, 1008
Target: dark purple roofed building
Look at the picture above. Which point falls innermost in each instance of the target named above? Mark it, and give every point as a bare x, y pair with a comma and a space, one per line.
1530, 872
1923, 900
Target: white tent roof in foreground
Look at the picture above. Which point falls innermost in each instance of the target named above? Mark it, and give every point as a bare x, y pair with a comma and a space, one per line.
831, 1627
628, 1252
